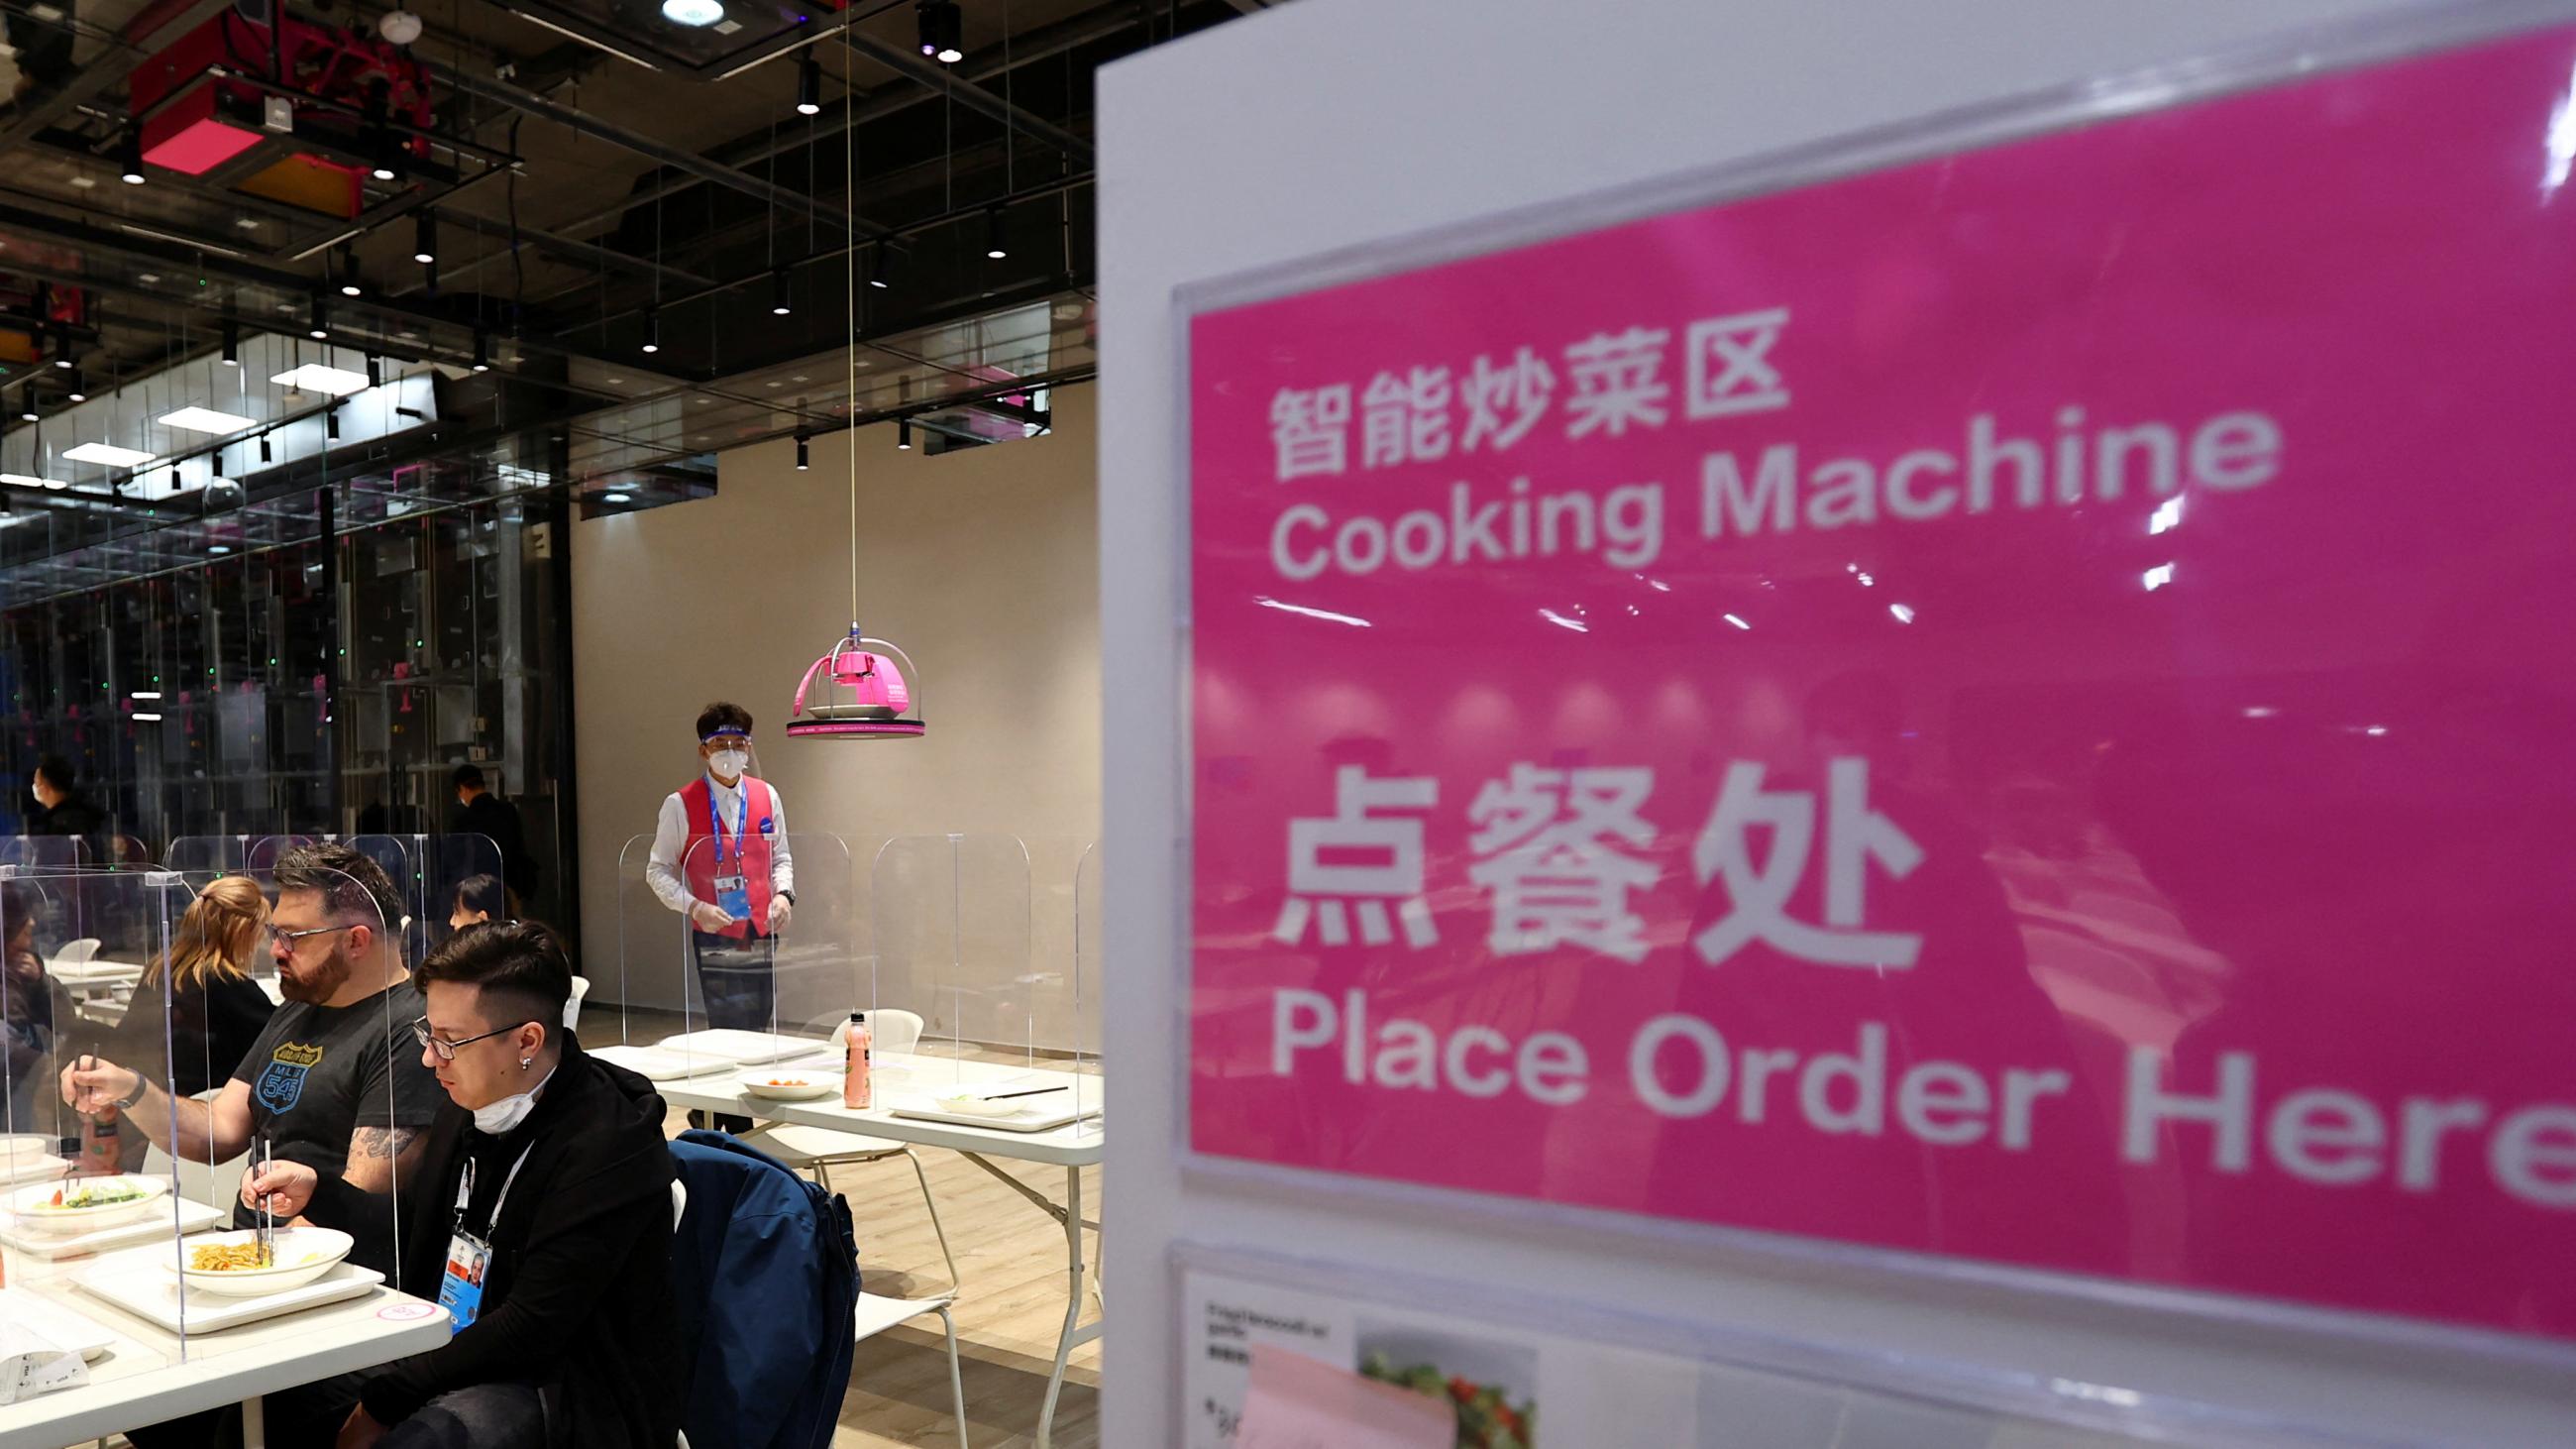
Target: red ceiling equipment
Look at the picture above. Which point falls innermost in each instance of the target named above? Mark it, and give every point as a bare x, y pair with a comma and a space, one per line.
295, 115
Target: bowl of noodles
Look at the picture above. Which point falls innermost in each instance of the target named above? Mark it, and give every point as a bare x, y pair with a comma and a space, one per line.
76, 1205
230, 1265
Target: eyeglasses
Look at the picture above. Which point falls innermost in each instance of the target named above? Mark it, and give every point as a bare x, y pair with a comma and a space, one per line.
447, 1049
269, 936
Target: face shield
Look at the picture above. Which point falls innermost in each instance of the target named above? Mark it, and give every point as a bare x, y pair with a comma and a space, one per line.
727, 755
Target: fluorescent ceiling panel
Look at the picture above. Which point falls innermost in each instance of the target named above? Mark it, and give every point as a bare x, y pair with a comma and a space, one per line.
108, 453
25, 480
315, 377
206, 420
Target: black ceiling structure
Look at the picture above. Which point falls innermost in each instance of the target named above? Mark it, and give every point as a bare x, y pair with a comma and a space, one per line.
746, 188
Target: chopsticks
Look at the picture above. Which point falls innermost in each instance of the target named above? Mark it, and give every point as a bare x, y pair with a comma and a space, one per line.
267, 1219
1031, 1092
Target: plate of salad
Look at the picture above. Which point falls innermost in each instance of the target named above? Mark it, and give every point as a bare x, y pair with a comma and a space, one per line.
1490, 1386
79, 1204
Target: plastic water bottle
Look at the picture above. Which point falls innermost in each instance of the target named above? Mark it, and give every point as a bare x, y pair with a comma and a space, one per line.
857, 1050
98, 1144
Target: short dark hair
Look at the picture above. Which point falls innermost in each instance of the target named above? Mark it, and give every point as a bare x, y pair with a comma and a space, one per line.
57, 771
468, 777
723, 715
487, 894
522, 962
349, 882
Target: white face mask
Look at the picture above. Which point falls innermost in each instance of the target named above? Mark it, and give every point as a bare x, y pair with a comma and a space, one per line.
498, 1118
38, 791
729, 763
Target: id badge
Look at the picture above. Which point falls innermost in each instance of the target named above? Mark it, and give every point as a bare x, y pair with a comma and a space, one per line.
733, 896
460, 1291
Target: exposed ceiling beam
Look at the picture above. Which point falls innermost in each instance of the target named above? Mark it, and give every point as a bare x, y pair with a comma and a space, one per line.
501, 93
944, 80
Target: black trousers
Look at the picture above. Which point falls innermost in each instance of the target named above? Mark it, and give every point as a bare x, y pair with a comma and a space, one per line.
738, 981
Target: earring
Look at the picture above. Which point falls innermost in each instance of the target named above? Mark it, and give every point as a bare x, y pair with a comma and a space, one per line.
523, 1062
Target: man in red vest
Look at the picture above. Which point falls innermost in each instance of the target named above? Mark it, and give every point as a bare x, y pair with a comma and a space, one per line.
720, 858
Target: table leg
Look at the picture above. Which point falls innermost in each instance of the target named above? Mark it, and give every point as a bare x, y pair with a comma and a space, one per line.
254, 1423
1072, 1303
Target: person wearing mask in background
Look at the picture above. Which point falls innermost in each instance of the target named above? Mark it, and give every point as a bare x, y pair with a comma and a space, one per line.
720, 858
198, 1007
480, 812
66, 811
481, 900
542, 1207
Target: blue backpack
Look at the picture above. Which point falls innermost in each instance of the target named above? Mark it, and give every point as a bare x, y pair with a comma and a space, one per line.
766, 1269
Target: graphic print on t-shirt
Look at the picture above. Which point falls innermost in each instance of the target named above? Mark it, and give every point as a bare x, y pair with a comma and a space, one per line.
282, 1085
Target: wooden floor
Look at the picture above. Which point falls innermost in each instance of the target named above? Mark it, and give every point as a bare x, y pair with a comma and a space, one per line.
1011, 1258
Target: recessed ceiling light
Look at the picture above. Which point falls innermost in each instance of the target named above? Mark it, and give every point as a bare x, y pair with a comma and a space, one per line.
109, 454
336, 381
206, 420
247, 223
149, 277
83, 182
692, 12
612, 498
219, 548
25, 480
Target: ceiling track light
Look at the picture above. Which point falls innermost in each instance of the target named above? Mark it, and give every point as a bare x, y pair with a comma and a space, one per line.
27, 408
232, 343
652, 330
79, 391
903, 435
881, 268
375, 371
320, 330
331, 423
265, 454
804, 453
63, 347
943, 30
778, 305
993, 243
129, 158
482, 350
809, 85
424, 238
352, 284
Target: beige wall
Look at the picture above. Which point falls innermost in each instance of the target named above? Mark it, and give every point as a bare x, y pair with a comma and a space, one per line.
981, 564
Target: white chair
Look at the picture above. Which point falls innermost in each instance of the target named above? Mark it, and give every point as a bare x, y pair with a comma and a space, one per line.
75, 953
572, 1007
820, 1149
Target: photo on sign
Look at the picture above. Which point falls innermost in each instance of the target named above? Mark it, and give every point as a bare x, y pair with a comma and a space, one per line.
1491, 1383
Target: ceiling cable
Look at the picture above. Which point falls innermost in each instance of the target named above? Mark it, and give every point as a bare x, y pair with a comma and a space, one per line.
850, 301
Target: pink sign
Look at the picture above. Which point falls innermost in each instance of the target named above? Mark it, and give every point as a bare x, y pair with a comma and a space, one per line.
2019, 707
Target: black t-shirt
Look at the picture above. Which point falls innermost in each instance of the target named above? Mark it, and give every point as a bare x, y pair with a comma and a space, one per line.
318, 1073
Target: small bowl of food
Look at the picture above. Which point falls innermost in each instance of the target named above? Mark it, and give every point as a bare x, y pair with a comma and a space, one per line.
789, 1086
79, 1204
230, 1264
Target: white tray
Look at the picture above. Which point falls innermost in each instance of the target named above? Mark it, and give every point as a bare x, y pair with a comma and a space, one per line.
652, 1063
1038, 1119
58, 1325
38, 1167
193, 1217
151, 1293
725, 1044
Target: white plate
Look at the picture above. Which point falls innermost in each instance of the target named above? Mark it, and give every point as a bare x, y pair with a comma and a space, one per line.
29, 1205
807, 1086
303, 1254
154, 1295
32, 1167
187, 1217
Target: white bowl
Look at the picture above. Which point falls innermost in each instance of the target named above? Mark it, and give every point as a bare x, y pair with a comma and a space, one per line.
303, 1254
790, 1086
33, 1206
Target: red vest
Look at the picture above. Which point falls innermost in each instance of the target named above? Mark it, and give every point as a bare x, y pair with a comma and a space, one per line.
759, 828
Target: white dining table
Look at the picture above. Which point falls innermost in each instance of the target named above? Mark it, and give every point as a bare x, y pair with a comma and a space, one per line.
912, 1080
148, 1376
93, 974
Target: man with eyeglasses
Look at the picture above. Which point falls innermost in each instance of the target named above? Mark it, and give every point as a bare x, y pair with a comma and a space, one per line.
335, 1081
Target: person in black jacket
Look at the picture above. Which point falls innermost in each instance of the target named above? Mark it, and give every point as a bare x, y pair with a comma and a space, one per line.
543, 1210
68, 811
480, 812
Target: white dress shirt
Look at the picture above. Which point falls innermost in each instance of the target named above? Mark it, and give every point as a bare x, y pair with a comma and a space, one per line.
663, 870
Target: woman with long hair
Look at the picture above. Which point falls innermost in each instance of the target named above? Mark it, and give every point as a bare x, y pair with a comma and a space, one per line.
215, 1010
482, 900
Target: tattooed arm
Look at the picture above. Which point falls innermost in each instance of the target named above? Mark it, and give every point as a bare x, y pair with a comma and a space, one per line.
381, 1156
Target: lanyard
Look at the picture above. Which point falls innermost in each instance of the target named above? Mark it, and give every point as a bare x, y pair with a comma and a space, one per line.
742, 823
465, 1190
